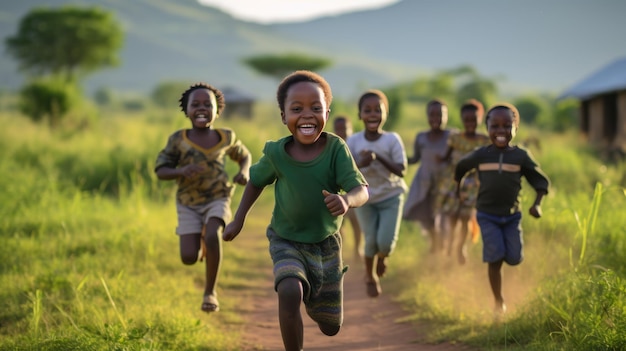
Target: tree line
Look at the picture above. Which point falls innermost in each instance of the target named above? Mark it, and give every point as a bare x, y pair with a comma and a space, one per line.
57, 48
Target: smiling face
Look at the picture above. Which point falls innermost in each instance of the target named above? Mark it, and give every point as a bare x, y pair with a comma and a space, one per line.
202, 108
470, 121
305, 112
437, 116
501, 127
373, 113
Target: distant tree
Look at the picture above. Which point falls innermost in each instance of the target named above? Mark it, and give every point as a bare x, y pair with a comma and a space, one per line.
278, 66
47, 100
103, 96
442, 86
66, 41
531, 108
166, 94
566, 115
483, 90
471, 85
395, 108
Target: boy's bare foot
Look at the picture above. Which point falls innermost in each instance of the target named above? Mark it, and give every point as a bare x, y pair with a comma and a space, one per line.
381, 266
499, 310
461, 259
372, 288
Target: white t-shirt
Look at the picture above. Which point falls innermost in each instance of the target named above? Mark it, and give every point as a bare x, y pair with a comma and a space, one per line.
382, 183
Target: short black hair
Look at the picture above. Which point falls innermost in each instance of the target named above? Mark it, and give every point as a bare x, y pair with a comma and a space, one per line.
435, 102
342, 118
504, 106
302, 76
375, 92
219, 96
475, 106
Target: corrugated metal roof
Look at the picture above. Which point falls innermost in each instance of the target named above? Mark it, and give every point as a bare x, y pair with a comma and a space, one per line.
610, 78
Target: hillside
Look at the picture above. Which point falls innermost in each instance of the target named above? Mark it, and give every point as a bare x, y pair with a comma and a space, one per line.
545, 45
183, 40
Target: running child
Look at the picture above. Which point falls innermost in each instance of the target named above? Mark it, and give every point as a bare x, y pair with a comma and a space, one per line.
308, 168
381, 158
195, 158
500, 169
427, 148
461, 209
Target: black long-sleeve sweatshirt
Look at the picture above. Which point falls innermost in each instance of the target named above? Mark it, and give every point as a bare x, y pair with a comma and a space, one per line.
500, 173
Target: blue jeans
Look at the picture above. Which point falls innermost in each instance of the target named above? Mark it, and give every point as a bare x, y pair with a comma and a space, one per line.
380, 223
502, 237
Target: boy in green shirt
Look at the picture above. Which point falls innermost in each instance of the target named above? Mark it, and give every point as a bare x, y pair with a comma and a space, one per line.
309, 168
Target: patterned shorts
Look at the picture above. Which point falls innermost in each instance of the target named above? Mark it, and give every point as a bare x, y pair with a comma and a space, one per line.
319, 267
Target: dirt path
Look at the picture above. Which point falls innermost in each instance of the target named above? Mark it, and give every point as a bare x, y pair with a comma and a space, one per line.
369, 324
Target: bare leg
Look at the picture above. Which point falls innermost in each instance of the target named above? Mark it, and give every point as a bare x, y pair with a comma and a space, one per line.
463, 233
356, 230
189, 247
381, 264
290, 296
434, 240
371, 281
452, 222
213, 258
495, 280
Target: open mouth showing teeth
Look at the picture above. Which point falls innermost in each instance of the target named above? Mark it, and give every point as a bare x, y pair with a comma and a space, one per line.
307, 129
501, 139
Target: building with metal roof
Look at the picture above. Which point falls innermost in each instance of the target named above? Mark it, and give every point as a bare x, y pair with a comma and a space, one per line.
602, 98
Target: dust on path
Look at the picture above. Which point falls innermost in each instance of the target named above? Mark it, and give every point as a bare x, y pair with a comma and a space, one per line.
369, 324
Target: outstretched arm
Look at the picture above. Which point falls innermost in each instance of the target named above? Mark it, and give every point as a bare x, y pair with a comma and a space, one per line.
417, 154
250, 194
244, 171
535, 209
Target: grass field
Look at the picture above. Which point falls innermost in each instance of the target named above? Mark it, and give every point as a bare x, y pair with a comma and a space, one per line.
89, 260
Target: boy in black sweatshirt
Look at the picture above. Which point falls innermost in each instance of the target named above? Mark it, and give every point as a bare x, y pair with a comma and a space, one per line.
500, 169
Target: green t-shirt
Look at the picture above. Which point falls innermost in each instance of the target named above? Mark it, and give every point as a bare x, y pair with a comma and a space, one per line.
300, 213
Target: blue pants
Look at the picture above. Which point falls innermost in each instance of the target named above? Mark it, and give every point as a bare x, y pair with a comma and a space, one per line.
380, 223
502, 237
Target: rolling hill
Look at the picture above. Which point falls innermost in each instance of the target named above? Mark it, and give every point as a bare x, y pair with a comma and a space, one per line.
534, 44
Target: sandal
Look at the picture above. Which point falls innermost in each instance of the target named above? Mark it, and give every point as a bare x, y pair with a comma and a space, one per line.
210, 304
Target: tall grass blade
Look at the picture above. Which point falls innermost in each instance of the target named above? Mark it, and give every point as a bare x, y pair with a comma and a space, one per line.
36, 312
591, 220
117, 312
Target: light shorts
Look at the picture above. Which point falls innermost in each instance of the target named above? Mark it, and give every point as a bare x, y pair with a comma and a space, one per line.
502, 237
191, 218
319, 267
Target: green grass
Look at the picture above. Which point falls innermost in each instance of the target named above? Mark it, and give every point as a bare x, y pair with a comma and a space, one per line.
89, 259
